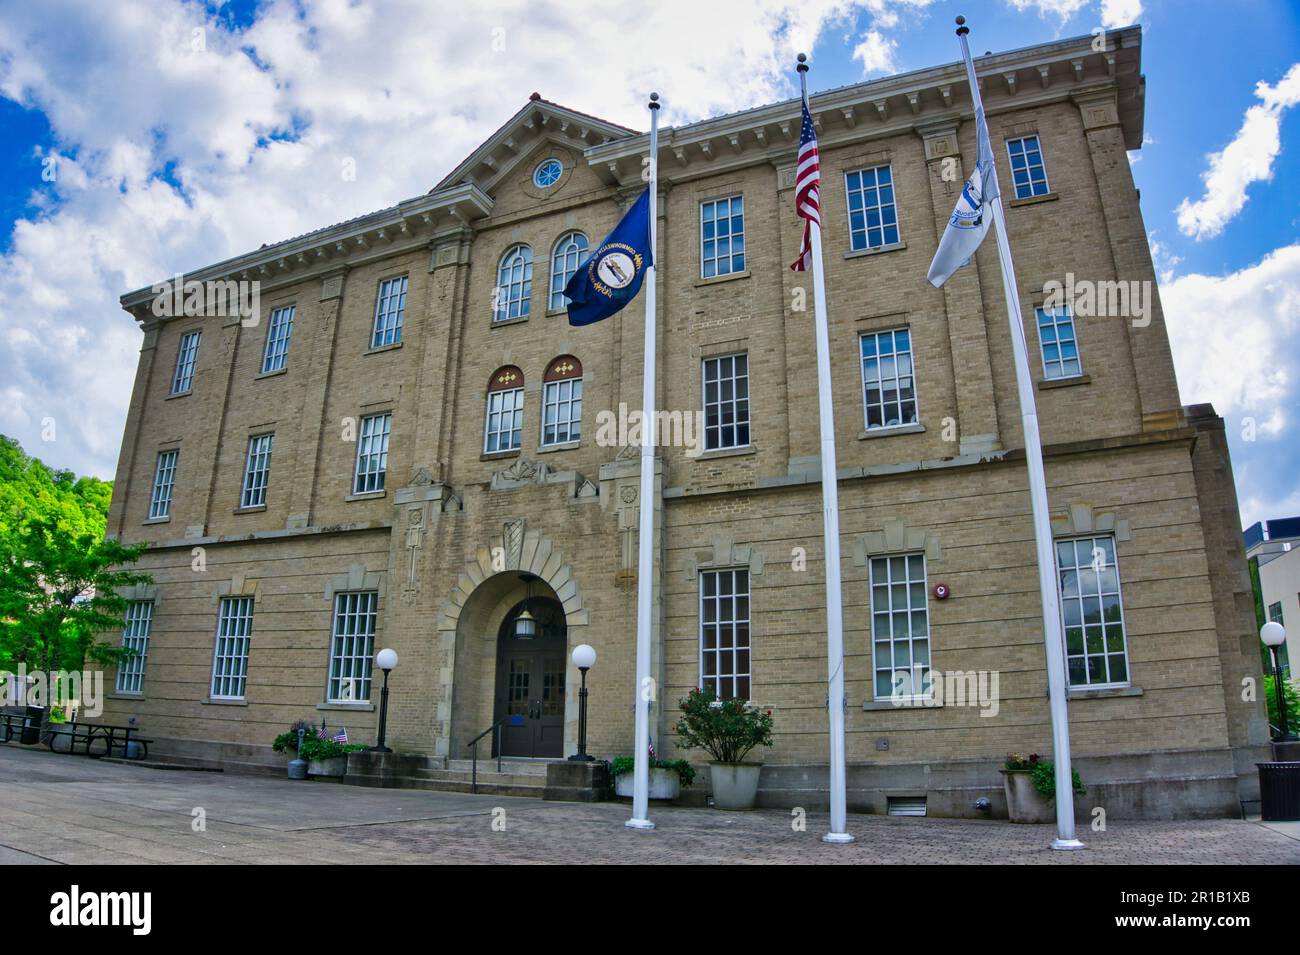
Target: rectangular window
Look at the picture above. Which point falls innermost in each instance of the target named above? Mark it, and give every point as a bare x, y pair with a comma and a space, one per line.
1275, 612
1027, 169
505, 421
276, 354
135, 638
372, 453
1059, 345
726, 402
1091, 608
257, 472
888, 386
164, 476
562, 411
390, 307
873, 214
900, 627
722, 237
230, 659
353, 646
186, 356
724, 633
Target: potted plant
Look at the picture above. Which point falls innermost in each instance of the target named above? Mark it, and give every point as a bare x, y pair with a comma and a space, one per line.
727, 730
667, 777
324, 757
1030, 785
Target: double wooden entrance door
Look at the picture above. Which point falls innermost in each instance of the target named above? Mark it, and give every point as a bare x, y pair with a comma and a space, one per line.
530, 684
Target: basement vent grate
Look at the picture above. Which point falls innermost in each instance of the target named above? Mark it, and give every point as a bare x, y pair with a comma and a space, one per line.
906, 806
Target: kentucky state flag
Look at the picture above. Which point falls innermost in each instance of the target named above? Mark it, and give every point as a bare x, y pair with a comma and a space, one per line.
612, 275
972, 217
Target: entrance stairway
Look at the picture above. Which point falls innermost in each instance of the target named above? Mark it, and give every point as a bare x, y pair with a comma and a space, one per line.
518, 777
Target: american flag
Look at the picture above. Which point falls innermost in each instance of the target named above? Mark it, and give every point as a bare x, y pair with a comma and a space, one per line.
807, 184
322, 733
341, 736
652, 748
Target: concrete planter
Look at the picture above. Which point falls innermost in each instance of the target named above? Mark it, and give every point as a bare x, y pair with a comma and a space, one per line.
664, 784
1024, 802
333, 766
60, 740
735, 785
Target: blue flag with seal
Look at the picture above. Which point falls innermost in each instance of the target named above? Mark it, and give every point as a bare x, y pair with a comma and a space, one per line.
972, 217
612, 275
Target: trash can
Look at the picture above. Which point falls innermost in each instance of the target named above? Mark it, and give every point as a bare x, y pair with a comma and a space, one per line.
32, 723
1279, 791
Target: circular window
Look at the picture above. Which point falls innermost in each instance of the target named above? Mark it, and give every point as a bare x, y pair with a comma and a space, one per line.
547, 173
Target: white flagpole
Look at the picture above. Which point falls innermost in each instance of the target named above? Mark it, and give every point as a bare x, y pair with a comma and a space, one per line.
1053, 639
830, 532
645, 532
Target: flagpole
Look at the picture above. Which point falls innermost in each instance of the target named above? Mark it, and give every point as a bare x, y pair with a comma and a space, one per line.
645, 532
830, 531
1053, 639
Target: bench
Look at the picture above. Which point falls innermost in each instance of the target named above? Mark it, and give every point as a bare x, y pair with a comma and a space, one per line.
11, 725
97, 740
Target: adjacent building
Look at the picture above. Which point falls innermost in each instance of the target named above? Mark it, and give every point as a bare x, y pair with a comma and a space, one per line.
1273, 550
411, 448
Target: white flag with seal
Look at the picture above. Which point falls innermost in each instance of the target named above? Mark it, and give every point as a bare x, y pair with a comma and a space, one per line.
972, 217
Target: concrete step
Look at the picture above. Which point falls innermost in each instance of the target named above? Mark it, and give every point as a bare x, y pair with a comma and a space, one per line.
509, 764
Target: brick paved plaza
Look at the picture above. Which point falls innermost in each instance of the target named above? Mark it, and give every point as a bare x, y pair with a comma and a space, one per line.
66, 809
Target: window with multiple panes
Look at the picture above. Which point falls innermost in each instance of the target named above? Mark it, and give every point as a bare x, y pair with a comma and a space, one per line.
726, 401
1275, 612
562, 401
372, 453
873, 214
900, 627
164, 478
355, 615
1096, 652
186, 356
1059, 346
1027, 169
888, 387
257, 470
230, 658
276, 354
390, 309
724, 633
722, 236
514, 284
135, 639
503, 425
565, 259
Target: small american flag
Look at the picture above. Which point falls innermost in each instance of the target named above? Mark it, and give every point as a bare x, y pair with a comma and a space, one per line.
341, 736
652, 749
807, 182
322, 733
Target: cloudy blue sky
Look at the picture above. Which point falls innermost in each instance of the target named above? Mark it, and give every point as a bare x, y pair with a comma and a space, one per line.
146, 137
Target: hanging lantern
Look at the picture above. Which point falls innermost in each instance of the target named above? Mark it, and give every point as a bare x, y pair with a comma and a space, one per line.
526, 623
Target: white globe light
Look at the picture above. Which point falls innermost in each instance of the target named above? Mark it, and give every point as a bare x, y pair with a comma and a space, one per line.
584, 657
1272, 633
386, 659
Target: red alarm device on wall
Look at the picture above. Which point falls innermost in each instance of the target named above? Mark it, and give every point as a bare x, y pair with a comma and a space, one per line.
941, 591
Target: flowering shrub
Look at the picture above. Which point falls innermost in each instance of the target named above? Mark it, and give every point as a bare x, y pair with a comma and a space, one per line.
727, 730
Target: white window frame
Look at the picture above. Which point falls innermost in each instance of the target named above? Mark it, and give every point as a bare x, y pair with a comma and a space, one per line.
352, 646
895, 378
187, 356
880, 207
136, 625
735, 402
736, 620
566, 256
1041, 166
562, 397
716, 259
390, 312
275, 356
513, 292
371, 471
916, 595
164, 481
1060, 316
230, 651
257, 470
508, 401
1099, 592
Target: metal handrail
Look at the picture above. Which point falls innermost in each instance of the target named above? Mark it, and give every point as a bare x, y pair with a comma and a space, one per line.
495, 728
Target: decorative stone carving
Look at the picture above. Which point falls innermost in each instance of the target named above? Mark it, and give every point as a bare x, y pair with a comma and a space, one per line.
520, 472
421, 478
896, 537
1080, 519
725, 552
514, 542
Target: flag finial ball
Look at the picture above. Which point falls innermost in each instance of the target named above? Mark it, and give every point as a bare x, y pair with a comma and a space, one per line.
654, 97
961, 21
802, 58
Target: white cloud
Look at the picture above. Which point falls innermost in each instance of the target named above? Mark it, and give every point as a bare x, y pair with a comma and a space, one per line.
1120, 13
1248, 158
876, 52
1062, 9
1233, 337
174, 157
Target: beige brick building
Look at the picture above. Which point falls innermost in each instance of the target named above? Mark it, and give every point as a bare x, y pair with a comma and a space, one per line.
432, 471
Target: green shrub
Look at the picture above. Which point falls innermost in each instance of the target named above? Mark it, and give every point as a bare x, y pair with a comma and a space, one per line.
626, 764
1292, 703
727, 730
1043, 773
312, 746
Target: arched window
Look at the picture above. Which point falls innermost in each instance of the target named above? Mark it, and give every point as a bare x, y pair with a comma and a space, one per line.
514, 284
565, 258
562, 401
503, 427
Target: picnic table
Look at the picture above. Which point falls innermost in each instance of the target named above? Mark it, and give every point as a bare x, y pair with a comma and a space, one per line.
98, 740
